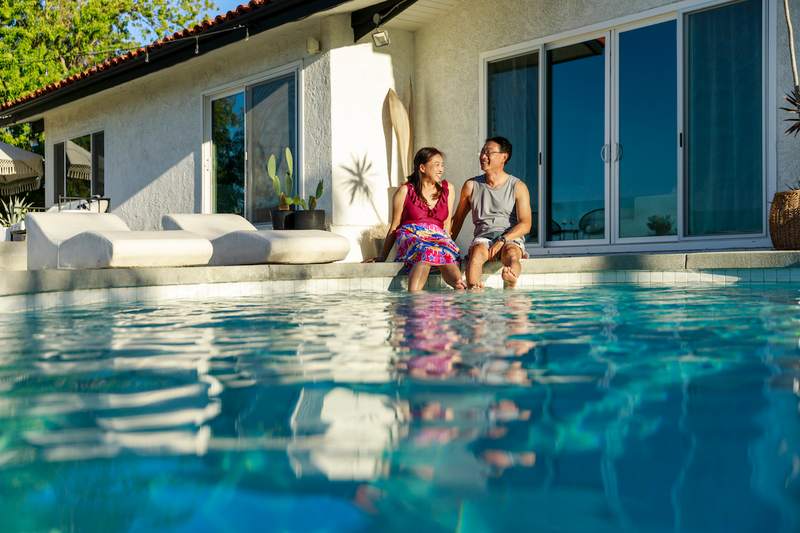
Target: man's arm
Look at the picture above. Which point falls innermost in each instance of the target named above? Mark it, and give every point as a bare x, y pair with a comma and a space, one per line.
524, 217
462, 209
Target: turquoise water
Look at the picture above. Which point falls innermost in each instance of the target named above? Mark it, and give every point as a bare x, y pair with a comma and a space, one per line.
612, 408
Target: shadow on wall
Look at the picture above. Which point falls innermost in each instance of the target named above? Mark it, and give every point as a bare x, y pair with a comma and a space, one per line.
359, 186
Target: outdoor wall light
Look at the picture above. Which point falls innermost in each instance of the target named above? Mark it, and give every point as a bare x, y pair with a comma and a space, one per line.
312, 46
379, 37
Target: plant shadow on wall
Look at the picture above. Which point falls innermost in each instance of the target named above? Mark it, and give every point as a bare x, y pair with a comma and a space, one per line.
359, 185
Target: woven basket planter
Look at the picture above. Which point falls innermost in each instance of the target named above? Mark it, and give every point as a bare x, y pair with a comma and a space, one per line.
784, 220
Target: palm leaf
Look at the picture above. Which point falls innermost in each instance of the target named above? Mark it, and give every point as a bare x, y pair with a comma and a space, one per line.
320, 190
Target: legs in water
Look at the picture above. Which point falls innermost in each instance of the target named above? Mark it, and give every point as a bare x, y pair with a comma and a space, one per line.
510, 256
478, 255
451, 275
418, 276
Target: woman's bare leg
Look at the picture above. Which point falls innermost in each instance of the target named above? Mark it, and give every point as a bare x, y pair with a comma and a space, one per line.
418, 276
478, 255
451, 275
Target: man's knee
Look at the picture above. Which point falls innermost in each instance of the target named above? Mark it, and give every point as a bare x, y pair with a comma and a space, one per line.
478, 252
511, 252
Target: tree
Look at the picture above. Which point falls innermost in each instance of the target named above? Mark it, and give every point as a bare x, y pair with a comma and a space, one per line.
43, 41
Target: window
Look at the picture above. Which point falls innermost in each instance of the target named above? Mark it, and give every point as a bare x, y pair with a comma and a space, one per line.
723, 120
79, 166
642, 139
247, 127
517, 118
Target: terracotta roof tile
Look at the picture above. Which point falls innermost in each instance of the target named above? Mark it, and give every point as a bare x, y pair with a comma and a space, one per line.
197, 29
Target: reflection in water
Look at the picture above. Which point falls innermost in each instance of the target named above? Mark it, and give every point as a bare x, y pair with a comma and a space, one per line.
602, 408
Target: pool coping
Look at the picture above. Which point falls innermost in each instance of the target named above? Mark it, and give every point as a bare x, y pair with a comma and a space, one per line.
15, 283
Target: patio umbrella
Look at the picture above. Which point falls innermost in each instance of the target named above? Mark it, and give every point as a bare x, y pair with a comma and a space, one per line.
20, 170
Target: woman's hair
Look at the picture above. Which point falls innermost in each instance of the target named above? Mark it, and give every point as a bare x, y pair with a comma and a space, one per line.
422, 157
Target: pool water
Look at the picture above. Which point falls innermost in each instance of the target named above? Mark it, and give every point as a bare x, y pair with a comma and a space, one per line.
610, 408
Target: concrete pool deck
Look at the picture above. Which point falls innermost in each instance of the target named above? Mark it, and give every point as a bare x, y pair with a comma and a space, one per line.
21, 289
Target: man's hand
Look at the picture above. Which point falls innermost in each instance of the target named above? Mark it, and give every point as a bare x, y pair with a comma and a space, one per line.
495, 249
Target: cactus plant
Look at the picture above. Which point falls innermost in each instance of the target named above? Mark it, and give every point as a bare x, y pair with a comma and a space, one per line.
284, 200
312, 199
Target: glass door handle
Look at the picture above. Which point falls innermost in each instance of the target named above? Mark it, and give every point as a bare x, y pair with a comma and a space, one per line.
604, 153
619, 152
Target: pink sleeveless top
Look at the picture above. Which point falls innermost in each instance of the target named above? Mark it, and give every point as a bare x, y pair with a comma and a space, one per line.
416, 211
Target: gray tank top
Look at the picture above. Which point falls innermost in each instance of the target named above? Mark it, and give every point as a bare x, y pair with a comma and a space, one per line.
493, 210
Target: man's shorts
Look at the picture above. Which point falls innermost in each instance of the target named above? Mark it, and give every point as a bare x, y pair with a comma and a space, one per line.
489, 240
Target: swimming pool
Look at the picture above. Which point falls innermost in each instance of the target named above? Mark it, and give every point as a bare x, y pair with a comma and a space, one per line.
602, 408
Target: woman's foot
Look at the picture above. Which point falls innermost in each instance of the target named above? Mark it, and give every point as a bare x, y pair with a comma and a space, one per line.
458, 285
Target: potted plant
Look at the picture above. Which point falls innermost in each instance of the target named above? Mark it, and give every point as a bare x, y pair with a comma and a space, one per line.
309, 217
280, 214
12, 216
784, 214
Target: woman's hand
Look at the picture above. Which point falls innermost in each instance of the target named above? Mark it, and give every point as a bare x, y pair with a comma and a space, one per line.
378, 259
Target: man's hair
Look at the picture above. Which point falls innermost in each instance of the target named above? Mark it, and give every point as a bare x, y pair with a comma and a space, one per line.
503, 143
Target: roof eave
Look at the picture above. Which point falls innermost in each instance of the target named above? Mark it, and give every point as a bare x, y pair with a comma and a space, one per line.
259, 20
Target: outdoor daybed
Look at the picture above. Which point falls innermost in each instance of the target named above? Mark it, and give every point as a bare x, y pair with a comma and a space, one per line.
103, 240
237, 242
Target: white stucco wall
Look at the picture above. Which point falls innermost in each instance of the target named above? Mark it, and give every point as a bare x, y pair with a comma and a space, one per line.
447, 63
154, 125
363, 151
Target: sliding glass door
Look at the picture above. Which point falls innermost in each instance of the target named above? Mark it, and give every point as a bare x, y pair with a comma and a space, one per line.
517, 119
646, 148
648, 133
247, 127
724, 102
577, 149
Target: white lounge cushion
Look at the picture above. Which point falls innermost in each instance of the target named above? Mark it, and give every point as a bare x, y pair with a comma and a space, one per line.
103, 240
115, 249
46, 231
237, 242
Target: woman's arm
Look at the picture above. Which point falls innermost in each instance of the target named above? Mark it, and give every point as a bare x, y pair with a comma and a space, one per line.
398, 201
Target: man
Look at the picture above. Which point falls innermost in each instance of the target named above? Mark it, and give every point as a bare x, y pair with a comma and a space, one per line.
501, 212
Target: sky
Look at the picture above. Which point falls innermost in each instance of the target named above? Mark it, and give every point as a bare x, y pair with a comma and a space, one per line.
226, 5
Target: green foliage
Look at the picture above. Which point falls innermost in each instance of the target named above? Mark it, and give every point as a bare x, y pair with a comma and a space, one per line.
13, 211
284, 200
42, 42
312, 200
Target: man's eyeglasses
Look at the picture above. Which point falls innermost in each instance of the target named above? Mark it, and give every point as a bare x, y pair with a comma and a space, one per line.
489, 154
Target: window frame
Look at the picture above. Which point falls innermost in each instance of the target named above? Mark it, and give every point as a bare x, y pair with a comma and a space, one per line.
240, 86
677, 12
63, 140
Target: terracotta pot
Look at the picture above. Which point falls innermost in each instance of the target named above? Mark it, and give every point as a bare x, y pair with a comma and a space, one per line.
784, 220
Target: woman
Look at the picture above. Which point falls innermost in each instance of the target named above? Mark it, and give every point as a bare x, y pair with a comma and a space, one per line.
421, 223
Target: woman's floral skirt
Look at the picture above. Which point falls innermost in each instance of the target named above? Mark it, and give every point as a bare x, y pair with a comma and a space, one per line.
425, 243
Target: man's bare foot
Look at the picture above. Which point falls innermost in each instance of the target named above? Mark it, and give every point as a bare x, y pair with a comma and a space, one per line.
509, 277
477, 285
